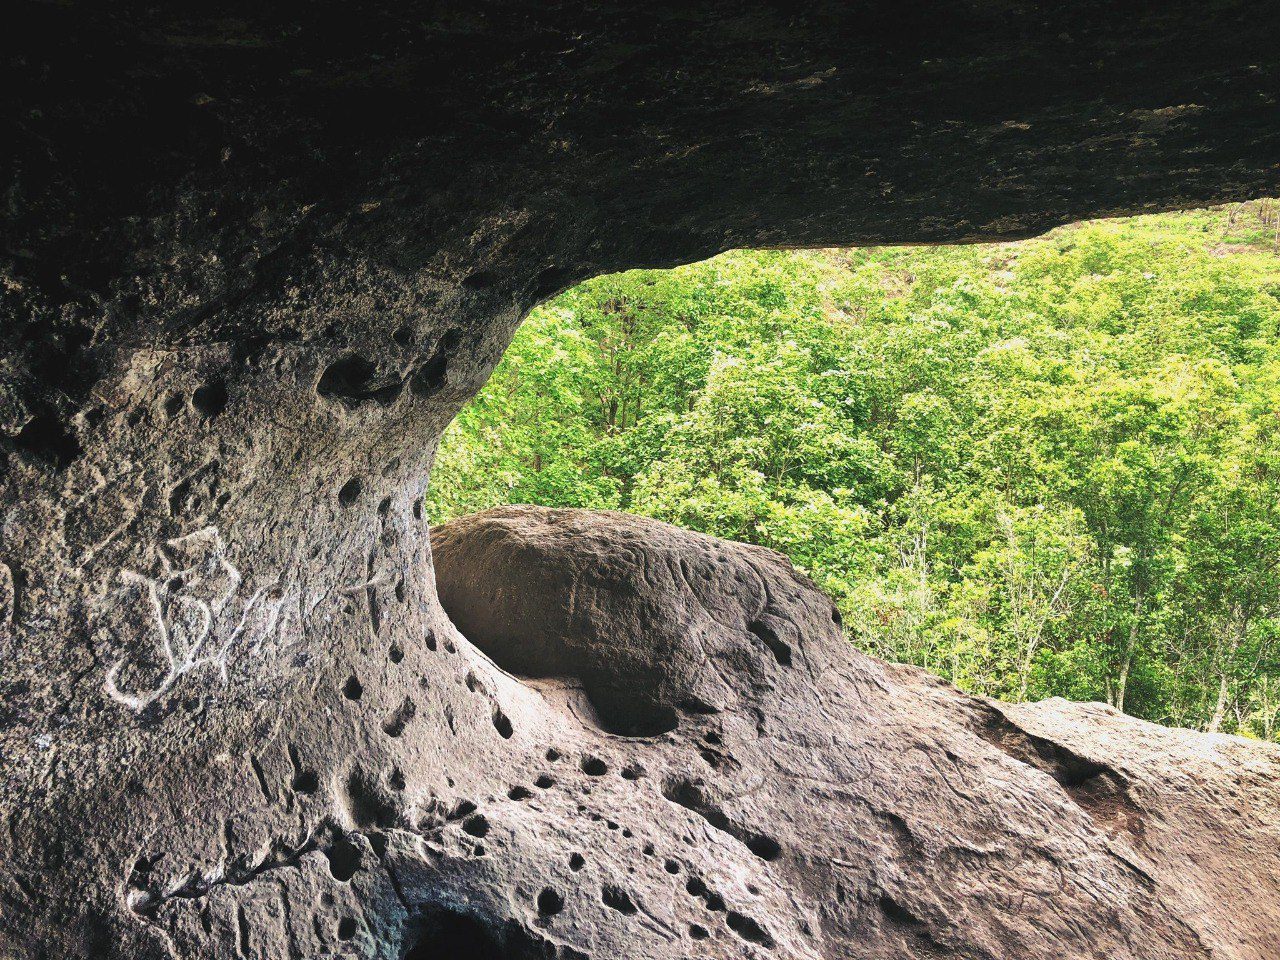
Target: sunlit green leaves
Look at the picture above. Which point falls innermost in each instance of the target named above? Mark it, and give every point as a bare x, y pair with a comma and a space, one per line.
1036, 469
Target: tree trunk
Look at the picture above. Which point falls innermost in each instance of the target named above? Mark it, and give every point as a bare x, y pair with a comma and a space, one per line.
1120, 689
1220, 708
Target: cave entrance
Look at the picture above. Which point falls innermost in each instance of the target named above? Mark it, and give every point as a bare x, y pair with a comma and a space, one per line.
1022, 466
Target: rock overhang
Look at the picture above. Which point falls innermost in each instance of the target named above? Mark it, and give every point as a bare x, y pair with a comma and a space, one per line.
256, 258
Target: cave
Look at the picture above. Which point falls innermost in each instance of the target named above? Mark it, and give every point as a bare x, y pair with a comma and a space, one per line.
257, 256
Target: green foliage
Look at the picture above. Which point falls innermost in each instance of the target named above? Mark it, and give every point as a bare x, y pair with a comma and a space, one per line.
1046, 468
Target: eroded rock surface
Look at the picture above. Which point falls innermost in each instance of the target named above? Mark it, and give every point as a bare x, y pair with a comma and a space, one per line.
256, 256
822, 803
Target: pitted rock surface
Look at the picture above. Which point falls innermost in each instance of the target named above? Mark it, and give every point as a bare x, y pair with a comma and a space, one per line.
255, 257
873, 810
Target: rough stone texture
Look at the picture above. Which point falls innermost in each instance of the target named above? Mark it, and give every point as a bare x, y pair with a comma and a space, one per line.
255, 256
821, 803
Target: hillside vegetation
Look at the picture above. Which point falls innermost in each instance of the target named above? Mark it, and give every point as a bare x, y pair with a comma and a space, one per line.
1037, 469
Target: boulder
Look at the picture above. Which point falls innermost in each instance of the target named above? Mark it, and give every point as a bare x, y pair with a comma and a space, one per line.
787, 795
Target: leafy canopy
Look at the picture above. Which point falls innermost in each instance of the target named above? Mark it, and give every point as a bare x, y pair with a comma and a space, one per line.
1045, 468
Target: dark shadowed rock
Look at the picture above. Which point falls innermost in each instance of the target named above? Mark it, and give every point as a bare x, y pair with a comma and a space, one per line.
256, 255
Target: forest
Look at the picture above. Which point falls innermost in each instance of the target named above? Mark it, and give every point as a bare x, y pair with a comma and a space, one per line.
1045, 468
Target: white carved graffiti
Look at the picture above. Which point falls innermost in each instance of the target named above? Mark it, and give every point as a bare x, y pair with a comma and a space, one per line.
8, 595
195, 614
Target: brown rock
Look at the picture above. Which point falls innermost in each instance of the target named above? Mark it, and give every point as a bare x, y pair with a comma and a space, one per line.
875, 811
256, 256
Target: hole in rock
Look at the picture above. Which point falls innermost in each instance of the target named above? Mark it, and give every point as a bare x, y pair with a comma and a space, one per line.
1101, 791
394, 725
692, 796
350, 492
747, 929
352, 689
692, 705
210, 399
306, 781
766, 848
594, 766
353, 380
615, 898
698, 932
347, 928
45, 438
897, 912
576, 862
370, 804
477, 826
550, 902
430, 377
502, 725
464, 808
623, 705
780, 650
403, 335
343, 857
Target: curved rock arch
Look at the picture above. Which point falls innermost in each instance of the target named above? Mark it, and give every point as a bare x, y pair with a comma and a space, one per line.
255, 260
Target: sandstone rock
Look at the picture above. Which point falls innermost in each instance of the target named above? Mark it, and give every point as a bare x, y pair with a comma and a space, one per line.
873, 810
256, 256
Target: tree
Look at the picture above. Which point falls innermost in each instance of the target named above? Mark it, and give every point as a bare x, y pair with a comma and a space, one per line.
1037, 469
1027, 579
